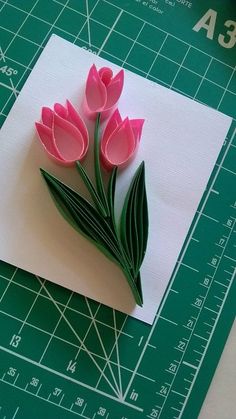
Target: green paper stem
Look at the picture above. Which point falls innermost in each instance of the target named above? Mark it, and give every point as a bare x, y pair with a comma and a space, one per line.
97, 167
111, 195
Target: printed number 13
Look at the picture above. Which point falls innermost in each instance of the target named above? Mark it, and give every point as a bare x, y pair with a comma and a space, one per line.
208, 22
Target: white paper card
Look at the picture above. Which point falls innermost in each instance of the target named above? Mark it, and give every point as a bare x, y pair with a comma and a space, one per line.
180, 143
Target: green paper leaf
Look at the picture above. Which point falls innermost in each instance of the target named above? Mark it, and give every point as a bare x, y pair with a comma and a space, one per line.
135, 285
111, 202
83, 216
134, 221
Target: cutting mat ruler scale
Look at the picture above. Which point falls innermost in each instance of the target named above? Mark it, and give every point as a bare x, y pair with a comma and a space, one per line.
62, 355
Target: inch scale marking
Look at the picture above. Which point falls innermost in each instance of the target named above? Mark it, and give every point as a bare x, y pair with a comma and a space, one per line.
47, 398
194, 367
52, 394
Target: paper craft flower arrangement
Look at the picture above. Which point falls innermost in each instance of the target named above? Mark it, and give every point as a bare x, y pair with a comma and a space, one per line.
65, 138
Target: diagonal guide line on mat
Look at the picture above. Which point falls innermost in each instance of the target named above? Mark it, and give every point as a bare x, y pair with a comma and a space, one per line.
55, 328
30, 310
12, 88
88, 23
79, 339
117, 352
226, 87
88, 329
2, 55
113, 348
102, 345
4, 2
16, 411
109, 33
8, 285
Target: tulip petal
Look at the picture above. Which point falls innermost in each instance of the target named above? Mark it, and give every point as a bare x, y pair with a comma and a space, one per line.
68, 139
95, 91
61, 110
47, 116
121, 145
105, 74
46, 138
114, 121
137, 126
114, 90
77, 121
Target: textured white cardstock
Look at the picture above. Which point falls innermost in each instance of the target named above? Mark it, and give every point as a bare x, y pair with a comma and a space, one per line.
180, 144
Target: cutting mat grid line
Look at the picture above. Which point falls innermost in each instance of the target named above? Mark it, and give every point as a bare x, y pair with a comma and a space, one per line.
87, 335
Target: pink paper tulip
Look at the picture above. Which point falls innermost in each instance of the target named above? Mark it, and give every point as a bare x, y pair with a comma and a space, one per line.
120, 140
63, 134
102, 91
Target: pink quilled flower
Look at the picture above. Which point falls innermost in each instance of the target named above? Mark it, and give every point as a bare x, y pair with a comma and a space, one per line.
120, 140
63, 134
102, 91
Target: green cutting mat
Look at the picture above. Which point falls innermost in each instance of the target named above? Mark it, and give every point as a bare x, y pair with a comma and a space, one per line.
64, 356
